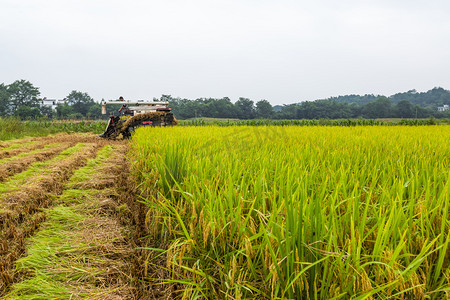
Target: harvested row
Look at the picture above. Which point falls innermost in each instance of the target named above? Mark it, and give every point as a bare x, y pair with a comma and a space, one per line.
16, 164
81, 252
16, 149
57, 138
31, 144
12, 144
23, 197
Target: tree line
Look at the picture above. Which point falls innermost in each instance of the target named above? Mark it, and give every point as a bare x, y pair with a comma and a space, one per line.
22, 99
430, 99
332, 108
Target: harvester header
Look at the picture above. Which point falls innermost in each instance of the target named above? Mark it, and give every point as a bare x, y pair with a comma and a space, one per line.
134, 114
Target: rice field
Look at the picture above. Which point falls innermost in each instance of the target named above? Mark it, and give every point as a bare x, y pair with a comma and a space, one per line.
312, 122
228, 212
288, 212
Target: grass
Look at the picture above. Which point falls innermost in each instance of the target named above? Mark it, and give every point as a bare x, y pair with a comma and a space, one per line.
297, 212
11, 128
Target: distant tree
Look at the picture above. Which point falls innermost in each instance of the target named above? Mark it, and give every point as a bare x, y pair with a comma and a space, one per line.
289, 111
25, 112
380, 108
5, 106
75, 116
319, 109
191, 109
355, 110
350, 106
306, 110
356, 99
80, 102
430, 99
23, 93
277, 108
245, 108
47, 111
404, 109
421, 112
219, 108
182, 108
165, 98
264, 109
63, 110
95, 112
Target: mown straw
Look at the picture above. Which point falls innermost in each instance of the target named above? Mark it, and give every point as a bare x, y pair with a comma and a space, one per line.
16, 164
81, 251
24, 195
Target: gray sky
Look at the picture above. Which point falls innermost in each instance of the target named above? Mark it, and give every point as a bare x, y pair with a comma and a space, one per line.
283, 51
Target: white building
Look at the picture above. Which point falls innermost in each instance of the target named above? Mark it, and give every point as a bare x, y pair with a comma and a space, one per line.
443, 108
52, 102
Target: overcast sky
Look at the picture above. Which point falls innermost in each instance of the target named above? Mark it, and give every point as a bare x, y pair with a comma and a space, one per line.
283, 51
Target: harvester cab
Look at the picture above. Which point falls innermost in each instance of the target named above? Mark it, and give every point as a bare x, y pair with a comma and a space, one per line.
134, 114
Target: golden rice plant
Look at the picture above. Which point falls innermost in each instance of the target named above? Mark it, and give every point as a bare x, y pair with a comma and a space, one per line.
298, 212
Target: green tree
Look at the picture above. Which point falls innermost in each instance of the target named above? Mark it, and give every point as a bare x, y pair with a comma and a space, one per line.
430, 99
75, 116
220, 108
264, 109
26, 112
80, 102
289, 111
23, 93
64, 110
4, 101
307, 110
95, 112
420, 112
404, 109
380, 108
47, 111
165, 98
245, 107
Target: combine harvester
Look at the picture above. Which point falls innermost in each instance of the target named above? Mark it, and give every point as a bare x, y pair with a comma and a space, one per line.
134, 114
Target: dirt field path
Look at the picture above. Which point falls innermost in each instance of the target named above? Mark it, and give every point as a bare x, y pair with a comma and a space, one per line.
62, 217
